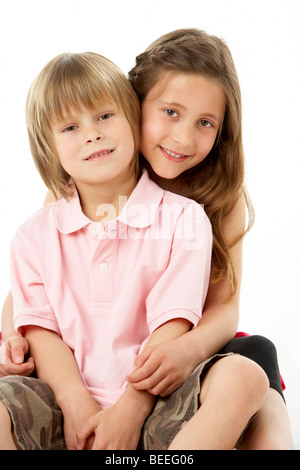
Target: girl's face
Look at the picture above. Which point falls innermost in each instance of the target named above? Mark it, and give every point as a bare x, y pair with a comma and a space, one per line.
181, 116
94, 146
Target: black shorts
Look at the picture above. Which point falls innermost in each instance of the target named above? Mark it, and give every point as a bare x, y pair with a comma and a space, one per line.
262, 351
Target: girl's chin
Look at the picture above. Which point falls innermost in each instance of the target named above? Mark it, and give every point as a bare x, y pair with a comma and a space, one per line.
167, 175
165, 172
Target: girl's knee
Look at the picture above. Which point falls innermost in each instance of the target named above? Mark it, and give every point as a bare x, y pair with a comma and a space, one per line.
236, 376
5, 419
242, 376
3, 409
249, 378
6, 437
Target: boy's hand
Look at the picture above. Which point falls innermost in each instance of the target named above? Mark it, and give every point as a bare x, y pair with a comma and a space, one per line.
12, 354
77, 407
118, 427
111, 431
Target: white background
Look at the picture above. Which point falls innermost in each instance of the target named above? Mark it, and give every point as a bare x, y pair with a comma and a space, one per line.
264, 38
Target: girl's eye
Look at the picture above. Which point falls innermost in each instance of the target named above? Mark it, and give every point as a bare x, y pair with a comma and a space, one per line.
205, 123
105, 116
171, 112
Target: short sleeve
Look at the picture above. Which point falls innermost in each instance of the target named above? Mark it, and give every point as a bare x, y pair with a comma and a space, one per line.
31, 305
181, 290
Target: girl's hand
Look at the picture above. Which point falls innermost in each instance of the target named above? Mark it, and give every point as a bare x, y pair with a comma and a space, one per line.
161, 369
12, 354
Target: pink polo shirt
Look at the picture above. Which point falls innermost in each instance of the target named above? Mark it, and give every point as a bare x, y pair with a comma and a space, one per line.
105, 290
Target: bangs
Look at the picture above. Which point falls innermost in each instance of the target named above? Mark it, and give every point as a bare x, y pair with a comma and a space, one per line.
75, 82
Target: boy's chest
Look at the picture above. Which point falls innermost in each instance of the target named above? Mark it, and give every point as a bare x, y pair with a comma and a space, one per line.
99, 270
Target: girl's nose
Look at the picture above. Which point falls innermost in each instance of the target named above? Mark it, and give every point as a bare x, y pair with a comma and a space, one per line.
182, 135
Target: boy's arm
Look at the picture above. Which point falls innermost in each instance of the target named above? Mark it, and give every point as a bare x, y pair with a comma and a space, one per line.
14, 347
55, 365
119, 427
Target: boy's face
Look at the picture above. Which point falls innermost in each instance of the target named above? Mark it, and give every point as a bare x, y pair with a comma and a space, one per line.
181, 117
94, 147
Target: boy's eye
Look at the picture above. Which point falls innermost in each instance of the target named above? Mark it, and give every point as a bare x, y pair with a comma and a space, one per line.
105, 116
171, 112
70, 128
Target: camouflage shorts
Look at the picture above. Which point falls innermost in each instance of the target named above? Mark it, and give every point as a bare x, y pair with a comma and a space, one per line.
171, 413
37, 421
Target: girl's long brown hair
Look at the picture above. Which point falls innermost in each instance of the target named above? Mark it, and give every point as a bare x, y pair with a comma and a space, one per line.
218, 181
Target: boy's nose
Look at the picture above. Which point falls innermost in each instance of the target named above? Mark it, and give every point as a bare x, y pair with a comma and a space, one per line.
93, 133
90, 139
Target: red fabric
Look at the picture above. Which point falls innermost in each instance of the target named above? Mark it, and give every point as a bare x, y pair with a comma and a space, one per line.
241, 334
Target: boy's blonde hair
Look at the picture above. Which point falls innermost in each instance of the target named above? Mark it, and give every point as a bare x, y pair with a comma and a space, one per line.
68, 82
218, 181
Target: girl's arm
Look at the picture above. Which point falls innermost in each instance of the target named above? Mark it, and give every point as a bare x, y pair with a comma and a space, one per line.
220, 319
217, 326
14, 348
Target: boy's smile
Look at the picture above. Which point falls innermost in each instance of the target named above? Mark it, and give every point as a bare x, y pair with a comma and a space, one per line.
99, 155
181, 117
94, 147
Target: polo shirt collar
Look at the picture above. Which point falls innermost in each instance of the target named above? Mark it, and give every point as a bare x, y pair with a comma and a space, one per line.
69, 216
138, 212
141, 207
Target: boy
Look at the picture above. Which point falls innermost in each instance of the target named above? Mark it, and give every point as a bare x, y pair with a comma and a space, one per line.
114, 266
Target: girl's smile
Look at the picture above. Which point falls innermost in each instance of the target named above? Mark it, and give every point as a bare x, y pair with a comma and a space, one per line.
172, 156
181, 117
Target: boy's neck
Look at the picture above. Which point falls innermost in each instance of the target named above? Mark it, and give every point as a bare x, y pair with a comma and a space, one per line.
104, 202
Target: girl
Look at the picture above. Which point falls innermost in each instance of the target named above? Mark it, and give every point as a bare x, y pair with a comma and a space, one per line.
69, 261
191, 139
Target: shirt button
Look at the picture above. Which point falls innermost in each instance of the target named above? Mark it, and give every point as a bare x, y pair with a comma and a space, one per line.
93, 233
103, 266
